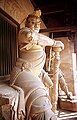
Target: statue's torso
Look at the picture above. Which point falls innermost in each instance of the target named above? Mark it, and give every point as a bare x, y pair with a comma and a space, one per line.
35, 56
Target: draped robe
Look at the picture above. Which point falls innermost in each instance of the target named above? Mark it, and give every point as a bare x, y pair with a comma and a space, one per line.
26, 76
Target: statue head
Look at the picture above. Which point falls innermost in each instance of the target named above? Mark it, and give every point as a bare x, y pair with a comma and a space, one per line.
33, 21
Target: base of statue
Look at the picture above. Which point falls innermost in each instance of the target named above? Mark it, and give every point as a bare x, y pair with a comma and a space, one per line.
66, 104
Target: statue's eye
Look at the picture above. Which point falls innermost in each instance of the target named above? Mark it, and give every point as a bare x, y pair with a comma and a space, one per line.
33, 22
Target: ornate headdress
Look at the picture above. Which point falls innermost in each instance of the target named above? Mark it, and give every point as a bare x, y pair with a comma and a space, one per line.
37, 13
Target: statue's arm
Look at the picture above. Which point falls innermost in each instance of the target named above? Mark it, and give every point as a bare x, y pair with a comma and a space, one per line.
27, 38
24, 36
46, 41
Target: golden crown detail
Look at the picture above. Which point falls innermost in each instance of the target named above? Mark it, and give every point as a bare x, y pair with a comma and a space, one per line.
37, 13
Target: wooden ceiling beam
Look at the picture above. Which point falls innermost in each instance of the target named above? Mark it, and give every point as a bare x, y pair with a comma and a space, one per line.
60, 29
52, 12
51, 8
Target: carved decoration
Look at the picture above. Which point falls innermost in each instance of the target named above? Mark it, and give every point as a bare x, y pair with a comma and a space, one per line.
13, 9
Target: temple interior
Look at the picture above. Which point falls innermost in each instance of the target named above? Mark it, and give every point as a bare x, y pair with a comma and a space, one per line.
59, 22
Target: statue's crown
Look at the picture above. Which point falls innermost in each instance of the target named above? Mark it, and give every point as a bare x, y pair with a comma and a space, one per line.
37, 13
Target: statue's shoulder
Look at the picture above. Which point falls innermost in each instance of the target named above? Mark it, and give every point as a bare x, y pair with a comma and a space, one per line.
24, 29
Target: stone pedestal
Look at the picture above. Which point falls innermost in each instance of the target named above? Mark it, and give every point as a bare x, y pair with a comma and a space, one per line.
66, 104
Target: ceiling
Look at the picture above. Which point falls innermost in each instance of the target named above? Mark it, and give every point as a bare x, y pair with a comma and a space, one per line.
58, 15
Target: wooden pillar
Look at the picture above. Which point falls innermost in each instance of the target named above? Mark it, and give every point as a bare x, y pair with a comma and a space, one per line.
54, 97
74, 71
75, 46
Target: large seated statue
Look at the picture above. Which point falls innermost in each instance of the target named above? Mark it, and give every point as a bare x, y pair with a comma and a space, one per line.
29, 75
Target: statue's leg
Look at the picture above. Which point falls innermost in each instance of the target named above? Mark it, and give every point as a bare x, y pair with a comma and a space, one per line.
41, 106
64, 86
44, 116
36, 98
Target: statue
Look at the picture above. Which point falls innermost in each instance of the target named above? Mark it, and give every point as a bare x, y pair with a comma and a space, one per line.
59, 83
61, 78
29, 74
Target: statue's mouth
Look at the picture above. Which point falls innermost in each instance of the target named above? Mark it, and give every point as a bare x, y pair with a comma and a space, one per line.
36, 30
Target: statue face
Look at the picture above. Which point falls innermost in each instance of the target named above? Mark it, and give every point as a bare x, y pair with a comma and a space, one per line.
34, 24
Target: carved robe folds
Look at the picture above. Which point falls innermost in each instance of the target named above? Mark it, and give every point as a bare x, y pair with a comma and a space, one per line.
26, 76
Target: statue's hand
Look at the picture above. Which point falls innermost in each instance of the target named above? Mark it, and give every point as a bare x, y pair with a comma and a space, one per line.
59, 44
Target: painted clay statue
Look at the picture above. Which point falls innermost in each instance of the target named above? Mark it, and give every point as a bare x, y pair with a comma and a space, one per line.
29, 74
